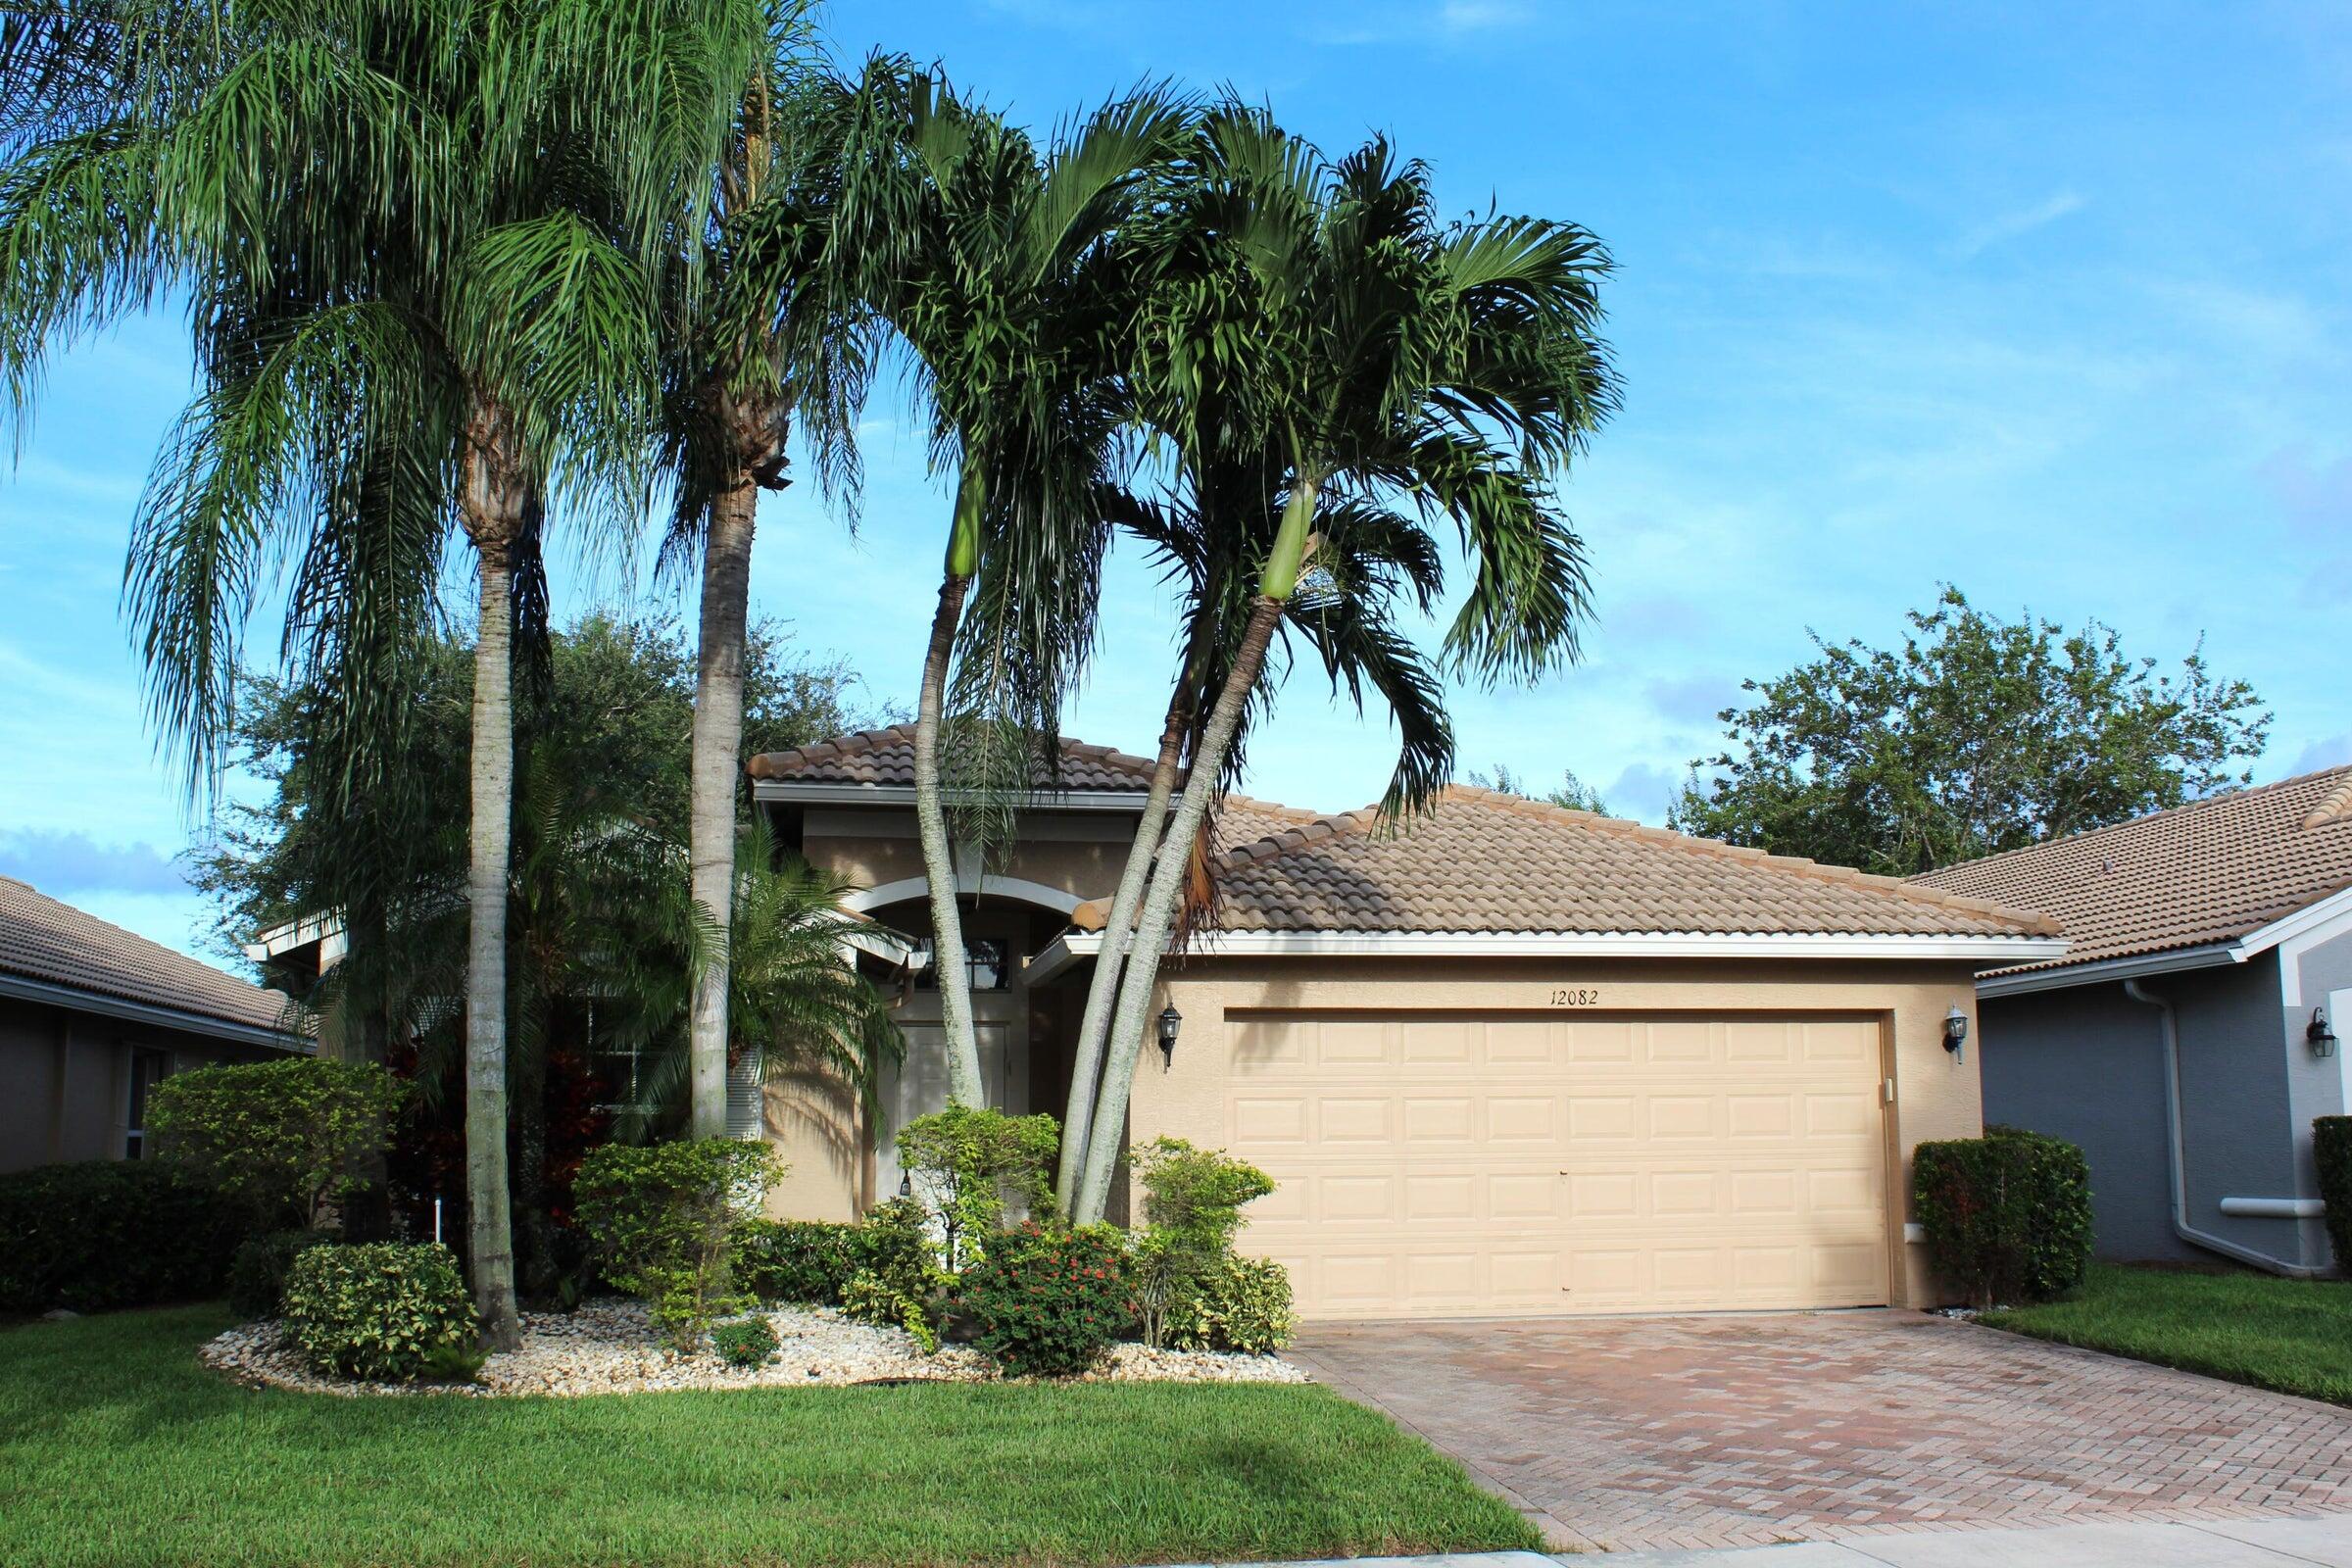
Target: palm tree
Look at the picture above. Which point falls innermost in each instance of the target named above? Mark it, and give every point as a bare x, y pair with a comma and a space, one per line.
419, 238
764, 327
1374, 560
1387, 356
999, 272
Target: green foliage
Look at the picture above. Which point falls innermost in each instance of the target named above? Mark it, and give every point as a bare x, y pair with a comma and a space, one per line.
257, 1272
664, 1219
1196, 1195
284, 1137
968, 1161
103, 1234
870, 1298
455, 1361
745, 1342
1226, 1302
1048, 1301
2008, 1215
1877, 758
2331, 1148
794, 1260
1571, 792
378, 1312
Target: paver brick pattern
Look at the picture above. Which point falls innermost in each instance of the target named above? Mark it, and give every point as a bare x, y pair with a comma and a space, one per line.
1643, 1433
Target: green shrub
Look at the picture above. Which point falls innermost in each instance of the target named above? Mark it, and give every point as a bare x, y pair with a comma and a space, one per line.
870, 1298
1226, 1302
284, 1136
2332, 1147
795, 1260
2007, 1215
893, 1243
1196, 1195
745, 1341
1048, 1301
107, 1232
383, 1312
663, 1220
256, 1273
967, 1163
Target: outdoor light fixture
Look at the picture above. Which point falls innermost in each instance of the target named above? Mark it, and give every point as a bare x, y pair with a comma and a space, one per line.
2321, 1038
906, 1184
1172, 1023
1955, 1033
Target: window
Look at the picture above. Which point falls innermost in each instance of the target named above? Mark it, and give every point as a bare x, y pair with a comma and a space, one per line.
983, 961
147, 1069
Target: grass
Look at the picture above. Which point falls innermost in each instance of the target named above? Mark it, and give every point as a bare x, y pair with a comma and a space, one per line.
117, 1448
2294, 1335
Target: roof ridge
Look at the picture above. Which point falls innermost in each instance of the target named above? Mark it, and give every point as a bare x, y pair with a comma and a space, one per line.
1796, 864
2201, 802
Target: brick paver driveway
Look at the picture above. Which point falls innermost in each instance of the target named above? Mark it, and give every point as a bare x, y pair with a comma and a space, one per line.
1648, 1433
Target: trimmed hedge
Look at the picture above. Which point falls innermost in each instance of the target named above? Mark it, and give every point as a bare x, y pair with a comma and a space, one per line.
385, 1312
814, 1261
1049, 1303
2332, 1145
2007, 1215
257, 1271
111, 1233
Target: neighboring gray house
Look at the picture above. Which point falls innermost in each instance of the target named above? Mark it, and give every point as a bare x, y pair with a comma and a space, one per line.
91, 1018
2188, 1040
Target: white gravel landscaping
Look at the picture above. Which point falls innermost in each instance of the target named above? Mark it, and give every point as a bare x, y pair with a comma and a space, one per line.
611, 1347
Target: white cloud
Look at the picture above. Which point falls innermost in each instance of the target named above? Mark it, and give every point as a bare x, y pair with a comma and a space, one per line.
2024, 221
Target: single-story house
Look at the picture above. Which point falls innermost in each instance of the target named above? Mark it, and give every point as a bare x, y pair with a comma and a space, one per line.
1507, 1060
2187, 1038
92, 1016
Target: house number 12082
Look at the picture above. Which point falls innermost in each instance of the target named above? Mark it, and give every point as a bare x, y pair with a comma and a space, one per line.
1575, 996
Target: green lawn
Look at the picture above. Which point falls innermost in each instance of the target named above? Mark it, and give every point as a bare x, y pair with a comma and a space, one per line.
2294, 1335
117, 1448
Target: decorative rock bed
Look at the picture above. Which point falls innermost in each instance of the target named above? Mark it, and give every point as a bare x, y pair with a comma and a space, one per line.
612, 1348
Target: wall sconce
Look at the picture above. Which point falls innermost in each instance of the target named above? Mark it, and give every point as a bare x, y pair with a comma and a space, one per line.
1171, 1024
1955, 1034
2320, 1037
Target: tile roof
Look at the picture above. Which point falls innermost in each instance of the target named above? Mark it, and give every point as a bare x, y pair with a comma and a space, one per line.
41, 939
2210, 871
886, 758
1486, 861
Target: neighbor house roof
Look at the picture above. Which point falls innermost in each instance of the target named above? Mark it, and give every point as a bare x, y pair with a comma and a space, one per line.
59, 953
1484, 862
884, 759
2212, 871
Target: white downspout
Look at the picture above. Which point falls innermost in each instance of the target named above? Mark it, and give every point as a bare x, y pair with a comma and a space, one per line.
2178, 1153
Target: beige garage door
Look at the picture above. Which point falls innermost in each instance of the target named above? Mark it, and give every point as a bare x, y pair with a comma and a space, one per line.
1447, 1166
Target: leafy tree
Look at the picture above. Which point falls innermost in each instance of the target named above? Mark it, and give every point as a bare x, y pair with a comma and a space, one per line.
1389, 355
284, 1136
966, 1161
1976, 735
1571, 792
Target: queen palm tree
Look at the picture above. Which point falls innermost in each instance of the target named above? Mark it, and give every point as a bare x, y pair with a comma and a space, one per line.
763, 326
999, 271
421, 239
1387, 356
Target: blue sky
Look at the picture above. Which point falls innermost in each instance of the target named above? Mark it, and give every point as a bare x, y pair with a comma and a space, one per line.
2049, 301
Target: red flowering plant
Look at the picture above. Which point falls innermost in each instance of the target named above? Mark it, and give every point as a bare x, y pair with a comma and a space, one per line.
1048, 1301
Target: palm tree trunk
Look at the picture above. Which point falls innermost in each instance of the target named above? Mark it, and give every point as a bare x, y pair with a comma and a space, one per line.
1094, 1027
489, 1221
718, 749
965, 1085
1141, 972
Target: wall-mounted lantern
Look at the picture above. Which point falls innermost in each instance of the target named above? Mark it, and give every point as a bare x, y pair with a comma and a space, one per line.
1171, 1024
2320, 1037
1955, 1033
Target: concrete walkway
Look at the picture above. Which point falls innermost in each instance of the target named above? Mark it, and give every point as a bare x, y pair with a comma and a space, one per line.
2321, 1542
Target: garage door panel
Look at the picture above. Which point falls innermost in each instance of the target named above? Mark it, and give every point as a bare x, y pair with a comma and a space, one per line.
1461, 1165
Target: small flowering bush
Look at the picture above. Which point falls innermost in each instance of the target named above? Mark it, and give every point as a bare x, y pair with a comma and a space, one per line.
1049, 1303
745, 1342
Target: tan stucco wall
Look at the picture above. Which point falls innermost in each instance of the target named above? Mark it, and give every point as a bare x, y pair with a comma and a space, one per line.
1080, 854
1935, 1095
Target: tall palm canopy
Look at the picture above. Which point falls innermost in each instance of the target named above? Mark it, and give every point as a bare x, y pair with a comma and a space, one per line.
1004, 275
1383, 358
